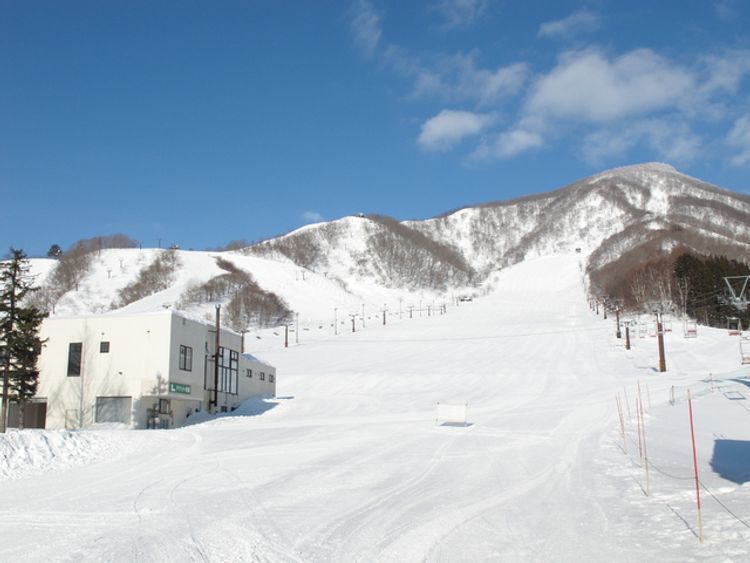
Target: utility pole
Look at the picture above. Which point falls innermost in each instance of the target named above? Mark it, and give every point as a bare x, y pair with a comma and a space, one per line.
385, 308
354, 317
660, 335
627, 337
335, 320
618, 333
286, 335
215, 401
411, 310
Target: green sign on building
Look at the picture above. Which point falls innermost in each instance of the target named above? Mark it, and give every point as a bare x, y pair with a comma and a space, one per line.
179, 388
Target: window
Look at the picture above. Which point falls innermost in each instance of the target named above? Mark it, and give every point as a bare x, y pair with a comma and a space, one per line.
262, 376
270, 377
229, 364
249, 372
104, 347
164, 406
113, 409
186, 358
75, 350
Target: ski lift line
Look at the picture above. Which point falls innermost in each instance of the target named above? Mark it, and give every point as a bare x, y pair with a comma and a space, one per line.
489, 337
712, 292
707, 297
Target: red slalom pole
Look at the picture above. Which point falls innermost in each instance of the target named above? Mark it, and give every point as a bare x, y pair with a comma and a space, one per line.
638, 422
645, 452
622, 424
695, 469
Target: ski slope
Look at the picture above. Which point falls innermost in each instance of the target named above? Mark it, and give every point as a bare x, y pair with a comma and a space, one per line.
313, 296
348, 463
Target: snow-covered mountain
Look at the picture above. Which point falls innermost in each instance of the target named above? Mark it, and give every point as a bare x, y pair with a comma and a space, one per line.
361, 265
603, 215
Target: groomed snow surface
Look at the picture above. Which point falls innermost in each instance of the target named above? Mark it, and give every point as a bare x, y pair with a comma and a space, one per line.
348, 463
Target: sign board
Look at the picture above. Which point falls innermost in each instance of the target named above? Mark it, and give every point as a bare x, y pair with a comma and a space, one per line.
179, 388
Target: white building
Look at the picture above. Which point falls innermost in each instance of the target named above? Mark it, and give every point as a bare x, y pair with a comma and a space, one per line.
144, 370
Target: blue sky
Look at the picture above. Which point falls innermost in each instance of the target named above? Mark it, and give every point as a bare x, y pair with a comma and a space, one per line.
196, 122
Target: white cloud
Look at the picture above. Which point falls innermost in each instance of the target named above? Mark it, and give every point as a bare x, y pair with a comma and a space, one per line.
312, 217
508, 143
725, 72
603, 104
488, 86
739, 138
461, 13
448, 128
365, 25
587, 86
458, 78
670, 139
577, 22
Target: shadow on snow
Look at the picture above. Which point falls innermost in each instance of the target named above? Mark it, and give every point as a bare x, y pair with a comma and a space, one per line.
731, 460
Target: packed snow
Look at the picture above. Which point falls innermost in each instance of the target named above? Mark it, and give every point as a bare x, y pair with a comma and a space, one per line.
348, 462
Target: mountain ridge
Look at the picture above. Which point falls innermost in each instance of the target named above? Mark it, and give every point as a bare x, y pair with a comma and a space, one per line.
361, 262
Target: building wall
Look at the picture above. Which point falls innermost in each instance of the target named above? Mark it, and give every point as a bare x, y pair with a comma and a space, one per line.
137, 363
252, 384
143, 363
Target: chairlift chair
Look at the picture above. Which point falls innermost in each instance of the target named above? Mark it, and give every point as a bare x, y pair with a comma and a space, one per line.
745, 348
642, 328
734, 326
690, 328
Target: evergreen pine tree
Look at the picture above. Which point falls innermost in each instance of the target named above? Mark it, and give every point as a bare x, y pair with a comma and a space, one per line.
19, 334
24, 378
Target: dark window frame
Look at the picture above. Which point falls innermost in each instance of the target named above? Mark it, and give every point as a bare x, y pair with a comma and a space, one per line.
229, 363
75, 359
104, 347
186, 358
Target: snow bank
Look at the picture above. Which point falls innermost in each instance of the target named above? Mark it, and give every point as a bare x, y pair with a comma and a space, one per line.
31, 452
254, 406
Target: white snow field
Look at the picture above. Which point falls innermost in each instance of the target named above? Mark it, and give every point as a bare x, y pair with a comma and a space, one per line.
348, 464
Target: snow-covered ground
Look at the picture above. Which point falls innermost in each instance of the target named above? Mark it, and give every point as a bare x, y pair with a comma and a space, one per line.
348, 463
314, 297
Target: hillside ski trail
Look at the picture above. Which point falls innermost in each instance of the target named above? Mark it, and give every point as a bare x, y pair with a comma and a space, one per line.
350, 465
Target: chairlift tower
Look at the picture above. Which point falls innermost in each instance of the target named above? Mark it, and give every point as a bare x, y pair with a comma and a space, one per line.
738, 290
659, 308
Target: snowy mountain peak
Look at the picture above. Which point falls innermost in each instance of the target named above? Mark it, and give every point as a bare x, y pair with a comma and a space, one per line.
370, 260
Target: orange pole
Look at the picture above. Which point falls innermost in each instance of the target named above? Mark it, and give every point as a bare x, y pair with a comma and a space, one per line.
622, 424
645, 452
695, 469
638, 421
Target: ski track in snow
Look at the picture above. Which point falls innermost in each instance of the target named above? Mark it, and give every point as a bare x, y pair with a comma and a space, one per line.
349, 465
